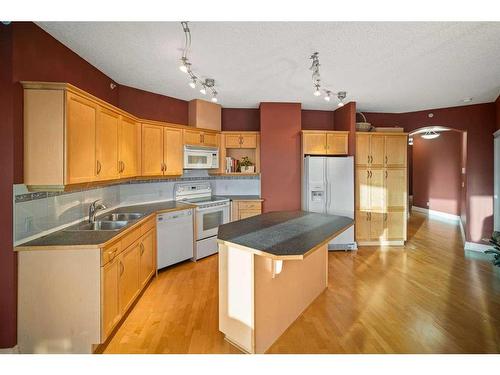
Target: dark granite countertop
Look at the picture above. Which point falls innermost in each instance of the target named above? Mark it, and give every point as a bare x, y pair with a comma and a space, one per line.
66, 238
284, 233
241, 197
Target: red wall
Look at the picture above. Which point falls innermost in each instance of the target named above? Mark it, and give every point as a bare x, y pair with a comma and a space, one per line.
345, 119
479, 121
240, 119
147, 105
280, 125
317, 120
436, 172
8, 259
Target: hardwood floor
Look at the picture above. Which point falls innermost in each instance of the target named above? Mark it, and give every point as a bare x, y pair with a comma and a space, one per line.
428, 297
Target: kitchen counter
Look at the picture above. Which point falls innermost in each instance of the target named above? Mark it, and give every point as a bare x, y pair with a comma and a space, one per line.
66, 238
242, 197
271, 268
284, 234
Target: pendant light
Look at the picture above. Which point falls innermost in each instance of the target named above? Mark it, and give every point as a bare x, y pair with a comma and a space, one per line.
430, 134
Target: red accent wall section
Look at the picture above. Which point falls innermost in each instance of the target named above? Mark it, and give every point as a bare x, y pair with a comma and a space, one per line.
317, 120
280, 125
436, 171
240, 119
8, 259
345, 119
147, 105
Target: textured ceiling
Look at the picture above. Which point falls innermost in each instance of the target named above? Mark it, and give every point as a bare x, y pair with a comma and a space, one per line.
384, 67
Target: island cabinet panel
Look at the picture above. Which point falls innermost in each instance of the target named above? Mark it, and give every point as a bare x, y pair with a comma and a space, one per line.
152, 150
80, 139
172, 151
107, 145
130, 148
381, 188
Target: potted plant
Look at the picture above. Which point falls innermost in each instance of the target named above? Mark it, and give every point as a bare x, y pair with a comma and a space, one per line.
495, 241
246, 166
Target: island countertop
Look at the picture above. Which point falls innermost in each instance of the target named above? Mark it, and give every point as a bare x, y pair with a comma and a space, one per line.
284, 234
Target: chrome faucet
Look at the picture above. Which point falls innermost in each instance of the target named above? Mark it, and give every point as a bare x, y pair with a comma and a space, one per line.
94, 207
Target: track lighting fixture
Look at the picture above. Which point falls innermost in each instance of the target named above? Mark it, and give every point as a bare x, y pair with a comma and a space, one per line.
316, 79
430, 134
185, 67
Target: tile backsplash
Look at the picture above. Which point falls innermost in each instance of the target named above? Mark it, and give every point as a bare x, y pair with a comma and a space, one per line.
36, 213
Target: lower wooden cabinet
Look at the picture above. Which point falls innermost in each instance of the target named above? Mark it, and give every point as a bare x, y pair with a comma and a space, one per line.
124, 275
379, 227
245, 208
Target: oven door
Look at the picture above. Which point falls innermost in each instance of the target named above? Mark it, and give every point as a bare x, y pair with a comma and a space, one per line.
208, 220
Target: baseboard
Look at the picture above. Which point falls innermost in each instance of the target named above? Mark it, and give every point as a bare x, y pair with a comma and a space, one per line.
381, 243
342, 247
479, 247
462, 231
438, 215
14, 350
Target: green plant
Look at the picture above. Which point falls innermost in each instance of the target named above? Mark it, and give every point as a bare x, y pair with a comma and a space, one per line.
245, 162
495, 241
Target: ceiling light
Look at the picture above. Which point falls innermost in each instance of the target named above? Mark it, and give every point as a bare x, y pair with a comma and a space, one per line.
410, 141
203, 89
192, 84
341, 96
214, 99
328, 95
316, 81
317, 92
430, 134
184, 67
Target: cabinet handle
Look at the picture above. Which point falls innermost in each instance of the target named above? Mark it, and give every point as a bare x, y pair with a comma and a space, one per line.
142, 248
367, 174
98, 167
121, 268
385, 174
386, 160
241, 140
367, 216
385, 217
368, 162
371, 159
370, 174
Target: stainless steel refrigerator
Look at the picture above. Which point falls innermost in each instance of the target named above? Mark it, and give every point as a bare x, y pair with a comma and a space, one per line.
328, 188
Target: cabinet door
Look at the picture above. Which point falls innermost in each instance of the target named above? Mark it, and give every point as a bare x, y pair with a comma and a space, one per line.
110, 307
129, 276
243, 214
396, 225
314, 143
147, 261
232, 140
108, 123
377, 190
362, 226
172, 151
395, 151
362, 188
192, 137
395, 187
210, 139
152, 150
336, 144
377, 226
248, 140
363, 149
130, 148
377, 147
80, 140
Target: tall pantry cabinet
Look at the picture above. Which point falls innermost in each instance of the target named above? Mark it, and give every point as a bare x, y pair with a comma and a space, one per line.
381, 188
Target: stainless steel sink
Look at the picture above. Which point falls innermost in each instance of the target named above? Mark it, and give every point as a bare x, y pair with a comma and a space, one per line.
120, 217
99, 225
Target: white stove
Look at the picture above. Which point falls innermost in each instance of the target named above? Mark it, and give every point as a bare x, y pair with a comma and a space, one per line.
211, 211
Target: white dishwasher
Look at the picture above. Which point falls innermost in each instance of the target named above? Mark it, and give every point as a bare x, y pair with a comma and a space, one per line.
174, 235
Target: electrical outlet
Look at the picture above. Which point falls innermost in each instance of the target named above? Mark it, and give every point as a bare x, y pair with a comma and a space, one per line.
28, 224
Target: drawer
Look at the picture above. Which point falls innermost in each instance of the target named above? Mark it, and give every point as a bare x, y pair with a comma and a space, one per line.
131, 237
110, 252
248, 213
249, 205
148, 225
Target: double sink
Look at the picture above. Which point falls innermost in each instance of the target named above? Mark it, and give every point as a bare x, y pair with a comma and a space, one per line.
114, 221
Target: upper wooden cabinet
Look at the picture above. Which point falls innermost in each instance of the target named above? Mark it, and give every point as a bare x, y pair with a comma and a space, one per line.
325, 142
240, 140
381, 150
129, 153
161, 150
203, 114
107, 130
201, 138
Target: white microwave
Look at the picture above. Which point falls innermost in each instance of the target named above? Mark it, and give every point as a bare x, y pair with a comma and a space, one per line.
196, 157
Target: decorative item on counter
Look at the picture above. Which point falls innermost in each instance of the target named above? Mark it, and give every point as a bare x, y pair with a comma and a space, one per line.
363, 126
495, 241
246, 165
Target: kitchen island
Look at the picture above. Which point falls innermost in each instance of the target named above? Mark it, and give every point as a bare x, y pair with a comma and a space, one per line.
271, 267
